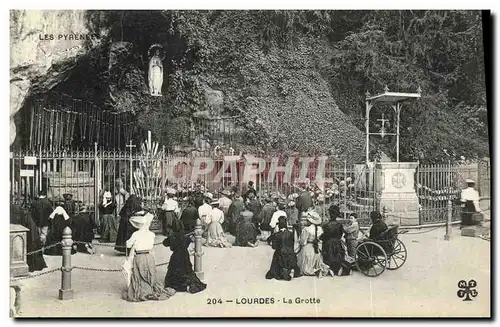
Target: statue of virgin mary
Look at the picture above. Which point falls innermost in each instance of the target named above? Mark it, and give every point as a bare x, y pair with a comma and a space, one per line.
155, 73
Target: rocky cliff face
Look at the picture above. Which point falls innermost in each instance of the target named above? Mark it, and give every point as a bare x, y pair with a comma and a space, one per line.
44, 47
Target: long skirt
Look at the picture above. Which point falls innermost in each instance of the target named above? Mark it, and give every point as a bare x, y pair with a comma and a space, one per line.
35, 261
180, 275
168, 221
334, 257
109, 228
83, 231
143, 285
282, 264
125, 231
245, 233
216, 237
310, 262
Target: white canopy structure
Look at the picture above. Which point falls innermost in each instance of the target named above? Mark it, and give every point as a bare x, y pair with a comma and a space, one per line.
395, 99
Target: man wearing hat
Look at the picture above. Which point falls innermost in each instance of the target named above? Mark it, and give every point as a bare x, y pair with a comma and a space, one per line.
237, 206
469, 199
41, 209
171, 211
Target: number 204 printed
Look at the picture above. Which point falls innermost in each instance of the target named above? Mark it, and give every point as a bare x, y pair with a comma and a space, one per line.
214, 301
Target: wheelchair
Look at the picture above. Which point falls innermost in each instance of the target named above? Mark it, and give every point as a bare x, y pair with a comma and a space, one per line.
374, 256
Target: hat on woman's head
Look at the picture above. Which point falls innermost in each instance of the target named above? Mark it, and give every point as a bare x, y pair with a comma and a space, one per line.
313, 217
171, 191
375, 215
282, 222
208, 195
334, 211
291, 203
215, 202
107, 194
141, 219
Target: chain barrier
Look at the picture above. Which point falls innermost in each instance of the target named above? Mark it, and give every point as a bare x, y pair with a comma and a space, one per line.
110, 270
44, 248
423, 232
108, 245
37, 275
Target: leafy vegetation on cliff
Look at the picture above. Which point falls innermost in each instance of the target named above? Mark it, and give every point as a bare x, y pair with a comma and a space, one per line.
299, 78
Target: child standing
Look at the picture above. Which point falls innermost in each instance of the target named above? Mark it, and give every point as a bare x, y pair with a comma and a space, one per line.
351, 234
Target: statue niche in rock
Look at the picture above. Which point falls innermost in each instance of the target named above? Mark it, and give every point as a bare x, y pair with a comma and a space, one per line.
155, 73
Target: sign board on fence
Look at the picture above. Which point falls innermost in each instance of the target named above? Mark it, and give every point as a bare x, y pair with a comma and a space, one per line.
30, 161
27, 173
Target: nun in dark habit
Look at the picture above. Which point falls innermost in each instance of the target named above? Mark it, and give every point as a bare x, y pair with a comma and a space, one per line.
35, 261
126, 229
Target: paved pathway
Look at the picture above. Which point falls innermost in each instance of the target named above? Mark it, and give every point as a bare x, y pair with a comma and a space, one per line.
425, 286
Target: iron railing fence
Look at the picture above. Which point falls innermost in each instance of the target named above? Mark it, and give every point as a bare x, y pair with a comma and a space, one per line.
87, 174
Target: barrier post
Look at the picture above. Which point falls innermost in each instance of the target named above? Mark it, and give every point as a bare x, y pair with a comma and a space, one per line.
449, 209
198, 232
66, 293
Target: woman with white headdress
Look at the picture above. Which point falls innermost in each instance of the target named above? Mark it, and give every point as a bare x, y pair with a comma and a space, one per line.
309, 257
52, 234
142, 285
109, 228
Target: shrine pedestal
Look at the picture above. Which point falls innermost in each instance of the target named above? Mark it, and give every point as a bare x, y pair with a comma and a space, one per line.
395, 188
78, 183
18, 263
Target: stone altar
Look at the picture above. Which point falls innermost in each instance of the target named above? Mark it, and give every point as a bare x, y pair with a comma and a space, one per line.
18, 246
395, 190
68, 180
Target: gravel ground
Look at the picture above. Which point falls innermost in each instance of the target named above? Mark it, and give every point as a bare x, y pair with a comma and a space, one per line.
426, 286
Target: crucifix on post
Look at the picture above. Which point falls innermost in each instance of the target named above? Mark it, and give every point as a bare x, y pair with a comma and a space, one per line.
394, 99
130, 146
382, 128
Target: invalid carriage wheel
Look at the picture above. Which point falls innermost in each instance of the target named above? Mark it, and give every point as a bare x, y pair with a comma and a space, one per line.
371, 259
398, 256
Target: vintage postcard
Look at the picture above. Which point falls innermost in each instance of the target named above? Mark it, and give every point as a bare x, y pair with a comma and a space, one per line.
250, 163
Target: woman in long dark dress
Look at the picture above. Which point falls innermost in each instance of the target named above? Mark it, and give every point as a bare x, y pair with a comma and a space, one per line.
180, 275
83, 231
284, 258
246, 232
125, 229
333, 251
35, 261
58, 221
